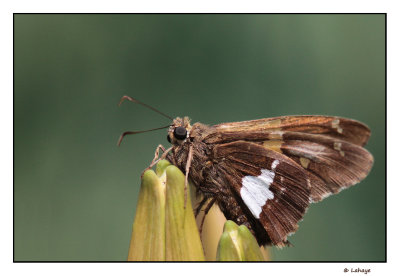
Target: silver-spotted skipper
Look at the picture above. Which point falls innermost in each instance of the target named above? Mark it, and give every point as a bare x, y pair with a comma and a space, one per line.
265, 173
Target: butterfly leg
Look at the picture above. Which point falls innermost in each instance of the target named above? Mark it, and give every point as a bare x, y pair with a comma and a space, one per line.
156, 159
157, 152
188, 163
206, 210
165, 153
198, 208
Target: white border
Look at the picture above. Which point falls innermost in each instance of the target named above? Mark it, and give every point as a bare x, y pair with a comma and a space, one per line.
7, 8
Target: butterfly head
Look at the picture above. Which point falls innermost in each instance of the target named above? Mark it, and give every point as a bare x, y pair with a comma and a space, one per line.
179, 131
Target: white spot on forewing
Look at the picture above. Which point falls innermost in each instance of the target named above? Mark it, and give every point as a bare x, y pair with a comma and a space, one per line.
275, 135
304, 162
338, 146
274, 164
255, 189
335, 124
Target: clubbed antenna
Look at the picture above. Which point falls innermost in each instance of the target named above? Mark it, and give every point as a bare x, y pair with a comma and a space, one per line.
137, 132
145, 105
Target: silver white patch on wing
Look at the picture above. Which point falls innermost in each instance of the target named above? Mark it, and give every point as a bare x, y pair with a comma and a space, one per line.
255, 189
274, 164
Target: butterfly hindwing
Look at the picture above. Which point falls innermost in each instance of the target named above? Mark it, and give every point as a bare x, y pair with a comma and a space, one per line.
273, 188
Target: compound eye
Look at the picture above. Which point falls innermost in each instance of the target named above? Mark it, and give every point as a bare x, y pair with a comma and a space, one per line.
169, 139
180, 133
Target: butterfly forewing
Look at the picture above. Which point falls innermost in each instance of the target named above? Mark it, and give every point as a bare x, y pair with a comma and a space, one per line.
332, 164
329, 148
272, 128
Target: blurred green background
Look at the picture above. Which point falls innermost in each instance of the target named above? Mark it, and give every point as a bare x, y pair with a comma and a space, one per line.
75, 191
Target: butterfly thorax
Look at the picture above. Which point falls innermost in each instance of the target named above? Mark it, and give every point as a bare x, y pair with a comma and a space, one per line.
201, 158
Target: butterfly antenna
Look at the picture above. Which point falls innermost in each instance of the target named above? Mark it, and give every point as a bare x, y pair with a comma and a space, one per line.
145, 105
137, 132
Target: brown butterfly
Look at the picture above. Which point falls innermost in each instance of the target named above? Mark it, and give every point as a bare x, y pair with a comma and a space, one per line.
265, 173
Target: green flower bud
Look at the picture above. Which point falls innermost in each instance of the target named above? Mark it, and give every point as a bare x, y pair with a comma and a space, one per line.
148, 233
238, 244
164, 228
